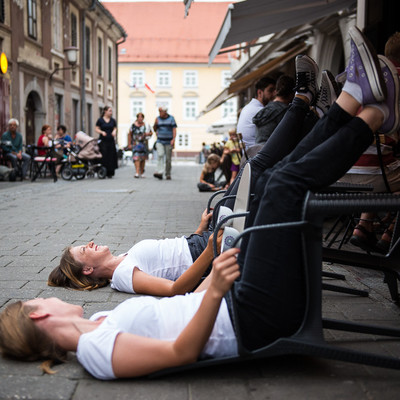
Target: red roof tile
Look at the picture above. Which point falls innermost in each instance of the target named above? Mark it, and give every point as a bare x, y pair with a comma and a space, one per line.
158, 31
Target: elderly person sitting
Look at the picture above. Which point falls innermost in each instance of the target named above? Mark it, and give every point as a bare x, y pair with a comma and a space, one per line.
11, 142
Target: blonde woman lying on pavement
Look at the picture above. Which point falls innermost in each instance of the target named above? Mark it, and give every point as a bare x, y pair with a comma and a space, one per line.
163, 267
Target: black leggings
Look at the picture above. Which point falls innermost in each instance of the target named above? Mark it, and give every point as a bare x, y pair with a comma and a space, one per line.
269, 298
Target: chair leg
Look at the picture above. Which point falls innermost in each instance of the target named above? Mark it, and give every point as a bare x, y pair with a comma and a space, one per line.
340, 289
391, 281
333, 275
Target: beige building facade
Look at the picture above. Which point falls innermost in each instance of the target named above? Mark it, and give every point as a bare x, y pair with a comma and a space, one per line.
42, 86
185, 89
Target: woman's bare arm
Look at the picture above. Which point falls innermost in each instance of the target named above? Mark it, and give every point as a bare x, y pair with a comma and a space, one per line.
205, 220
147, 284
136, 356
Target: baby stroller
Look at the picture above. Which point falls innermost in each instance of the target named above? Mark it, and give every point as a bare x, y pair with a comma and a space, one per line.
83, 159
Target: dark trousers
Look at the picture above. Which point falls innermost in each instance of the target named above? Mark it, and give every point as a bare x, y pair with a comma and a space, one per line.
295, 125
269, 298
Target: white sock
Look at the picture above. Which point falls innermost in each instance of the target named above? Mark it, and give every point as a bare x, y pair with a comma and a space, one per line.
353, 90
383, 108
307, 94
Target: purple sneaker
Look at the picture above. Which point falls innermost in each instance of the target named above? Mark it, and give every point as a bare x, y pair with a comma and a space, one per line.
364, 68
392, 100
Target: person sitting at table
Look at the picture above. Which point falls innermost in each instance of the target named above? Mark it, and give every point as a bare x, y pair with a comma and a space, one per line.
11, 143
45, 140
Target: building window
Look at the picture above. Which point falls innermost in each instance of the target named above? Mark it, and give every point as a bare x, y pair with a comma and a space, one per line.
137, 106
225, 78
190, 79
74, 30
164, 78
110, 69
99, 56
183, 140
32, 19
229, 108
137, 79
57, 26
87, 47
190, 108
2, 12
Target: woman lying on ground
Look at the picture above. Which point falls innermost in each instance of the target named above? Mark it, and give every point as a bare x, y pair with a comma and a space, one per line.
158, 267
268, 297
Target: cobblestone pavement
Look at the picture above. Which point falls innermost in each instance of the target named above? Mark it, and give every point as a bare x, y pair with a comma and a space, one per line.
39, 219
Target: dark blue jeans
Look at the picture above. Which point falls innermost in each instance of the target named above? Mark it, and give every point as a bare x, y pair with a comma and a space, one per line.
269, 297
197, 243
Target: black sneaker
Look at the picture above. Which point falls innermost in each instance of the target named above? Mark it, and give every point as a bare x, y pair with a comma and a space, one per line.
328, 93
156, 175
306, 76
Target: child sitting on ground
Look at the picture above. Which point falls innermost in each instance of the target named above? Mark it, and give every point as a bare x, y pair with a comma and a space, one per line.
208, 182
232, 148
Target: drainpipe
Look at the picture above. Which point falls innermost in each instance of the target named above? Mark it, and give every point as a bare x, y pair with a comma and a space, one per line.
116, 72
83, 66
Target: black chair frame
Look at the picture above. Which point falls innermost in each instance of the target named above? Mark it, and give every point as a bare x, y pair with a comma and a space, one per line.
309, 338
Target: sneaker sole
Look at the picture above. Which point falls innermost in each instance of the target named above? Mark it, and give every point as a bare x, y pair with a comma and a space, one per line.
332, 82
395, 75
371, 63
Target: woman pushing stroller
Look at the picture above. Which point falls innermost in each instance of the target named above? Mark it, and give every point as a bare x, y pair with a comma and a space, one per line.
143, 335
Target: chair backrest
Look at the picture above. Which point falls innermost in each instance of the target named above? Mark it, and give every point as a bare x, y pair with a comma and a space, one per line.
242, 198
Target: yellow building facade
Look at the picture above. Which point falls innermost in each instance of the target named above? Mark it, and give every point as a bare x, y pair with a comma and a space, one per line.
185, 89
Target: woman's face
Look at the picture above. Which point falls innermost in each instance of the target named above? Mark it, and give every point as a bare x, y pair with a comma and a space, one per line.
47, 132
140, 118
55, 306
108, 113
90, 255
214, 164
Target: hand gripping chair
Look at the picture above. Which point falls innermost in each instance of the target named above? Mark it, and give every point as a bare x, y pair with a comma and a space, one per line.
309, 339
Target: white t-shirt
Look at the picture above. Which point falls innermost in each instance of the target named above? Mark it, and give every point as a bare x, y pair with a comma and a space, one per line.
166, 258
245, 124
147, 316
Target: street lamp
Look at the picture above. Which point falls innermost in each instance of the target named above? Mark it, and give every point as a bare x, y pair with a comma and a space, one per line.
72, 58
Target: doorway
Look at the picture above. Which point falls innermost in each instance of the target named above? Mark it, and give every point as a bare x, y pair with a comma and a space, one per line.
33, 111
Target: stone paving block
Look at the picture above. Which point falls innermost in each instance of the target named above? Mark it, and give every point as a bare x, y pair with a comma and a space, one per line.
232, 389
370, 312
25, 293
306, 388
19, 273
38, 261
48, 387
5, 260
131, 389
75, 295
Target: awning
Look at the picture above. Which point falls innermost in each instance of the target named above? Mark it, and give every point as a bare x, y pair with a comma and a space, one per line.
221, 98
251, 19
248, 80
223, 125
